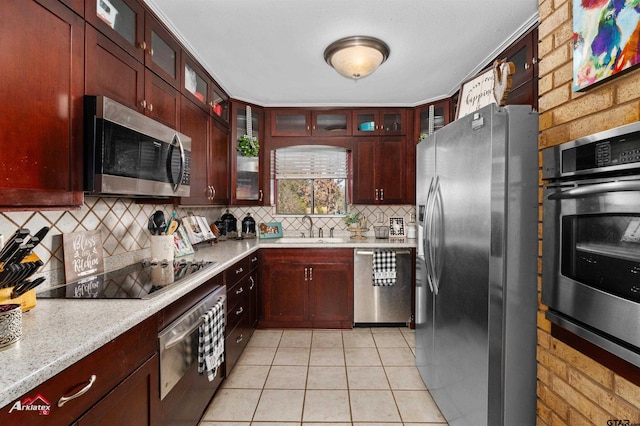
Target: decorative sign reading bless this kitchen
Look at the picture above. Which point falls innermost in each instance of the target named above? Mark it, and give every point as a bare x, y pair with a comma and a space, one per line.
83, 255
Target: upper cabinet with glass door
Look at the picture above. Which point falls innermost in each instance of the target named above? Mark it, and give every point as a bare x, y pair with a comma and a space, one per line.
162, 51
201, 89
370, 122
302, 122
247, 187
120, 20
431, 117
139, 33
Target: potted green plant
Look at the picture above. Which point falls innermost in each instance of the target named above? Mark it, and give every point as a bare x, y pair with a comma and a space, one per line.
352, 218
248, 146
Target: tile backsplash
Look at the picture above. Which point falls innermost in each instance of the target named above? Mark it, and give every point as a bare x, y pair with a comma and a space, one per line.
123, 223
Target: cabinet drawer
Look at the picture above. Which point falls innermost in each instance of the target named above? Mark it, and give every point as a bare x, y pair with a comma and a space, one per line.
235, 343
240, 269
110, 365
236, 312
240, 290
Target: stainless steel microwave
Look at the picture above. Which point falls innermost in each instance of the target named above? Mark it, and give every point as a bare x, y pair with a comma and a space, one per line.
129, 154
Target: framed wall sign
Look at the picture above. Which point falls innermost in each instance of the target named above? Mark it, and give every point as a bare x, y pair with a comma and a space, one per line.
606, 37
476, 93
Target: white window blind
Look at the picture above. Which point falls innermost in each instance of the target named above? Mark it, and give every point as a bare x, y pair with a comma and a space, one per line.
311, 162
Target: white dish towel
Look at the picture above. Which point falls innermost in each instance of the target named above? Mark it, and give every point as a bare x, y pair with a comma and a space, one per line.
211, 340
384, 267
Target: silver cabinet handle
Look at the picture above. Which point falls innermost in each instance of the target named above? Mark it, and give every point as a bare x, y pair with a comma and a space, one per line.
239, 271
260, 196
64, 399
306, 277
239, 338
254, 259
240, 290
381, 194
253, 283
239, 311
376, 197
310, 274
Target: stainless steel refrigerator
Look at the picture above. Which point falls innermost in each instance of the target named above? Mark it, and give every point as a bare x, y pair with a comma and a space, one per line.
476, 278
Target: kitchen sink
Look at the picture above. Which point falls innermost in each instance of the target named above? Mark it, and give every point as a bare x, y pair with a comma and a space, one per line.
306, 240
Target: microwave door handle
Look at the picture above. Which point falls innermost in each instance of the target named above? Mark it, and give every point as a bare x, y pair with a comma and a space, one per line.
599, 188
178, 181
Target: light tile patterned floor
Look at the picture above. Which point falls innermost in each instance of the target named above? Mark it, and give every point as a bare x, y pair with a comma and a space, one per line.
360, 377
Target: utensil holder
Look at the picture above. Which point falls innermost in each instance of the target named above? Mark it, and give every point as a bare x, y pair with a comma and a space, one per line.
10, 324
162, 248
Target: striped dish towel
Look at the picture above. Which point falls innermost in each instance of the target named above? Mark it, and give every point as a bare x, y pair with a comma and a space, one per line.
211, 340
384, 267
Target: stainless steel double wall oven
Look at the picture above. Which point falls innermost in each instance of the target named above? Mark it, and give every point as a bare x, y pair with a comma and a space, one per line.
591, 239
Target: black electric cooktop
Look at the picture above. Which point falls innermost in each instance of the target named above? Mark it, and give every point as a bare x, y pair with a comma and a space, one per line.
138, 281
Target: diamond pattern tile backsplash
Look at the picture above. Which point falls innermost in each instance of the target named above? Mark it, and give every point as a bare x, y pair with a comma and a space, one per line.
123, 223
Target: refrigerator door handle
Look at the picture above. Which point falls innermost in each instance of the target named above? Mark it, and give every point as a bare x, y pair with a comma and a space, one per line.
429, 245
438, 253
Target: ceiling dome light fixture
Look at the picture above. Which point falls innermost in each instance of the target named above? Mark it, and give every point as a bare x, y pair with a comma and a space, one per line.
357, 56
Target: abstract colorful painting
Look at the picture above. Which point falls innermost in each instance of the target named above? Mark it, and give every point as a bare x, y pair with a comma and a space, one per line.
606, 39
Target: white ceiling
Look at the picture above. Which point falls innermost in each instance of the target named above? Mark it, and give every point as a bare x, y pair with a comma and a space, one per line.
270, 52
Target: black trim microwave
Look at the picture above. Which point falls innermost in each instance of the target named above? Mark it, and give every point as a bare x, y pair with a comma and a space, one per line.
129, 154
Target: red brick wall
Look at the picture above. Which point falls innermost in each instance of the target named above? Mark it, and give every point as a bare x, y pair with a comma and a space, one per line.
573, 389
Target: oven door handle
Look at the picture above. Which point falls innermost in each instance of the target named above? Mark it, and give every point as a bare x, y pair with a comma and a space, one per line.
171, 343
599, 188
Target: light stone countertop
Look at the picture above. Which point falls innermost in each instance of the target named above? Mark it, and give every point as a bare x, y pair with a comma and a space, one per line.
58, 332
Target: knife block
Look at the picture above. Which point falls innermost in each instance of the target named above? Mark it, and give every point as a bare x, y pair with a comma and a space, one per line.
27, 301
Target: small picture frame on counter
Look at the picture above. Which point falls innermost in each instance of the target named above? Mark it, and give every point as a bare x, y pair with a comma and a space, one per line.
396, 227
181, 242
270, 230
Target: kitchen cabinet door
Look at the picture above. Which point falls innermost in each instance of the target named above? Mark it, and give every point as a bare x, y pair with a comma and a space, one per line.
122, 21
200, 88
306, 288
124, 369
194, 122
331, 294
379, 170
247, 182
370, 122
219, 163
112, 72
163, 102
133, 402
290, 122
162, 51
441, 117
209, 156
42, 87
285, 293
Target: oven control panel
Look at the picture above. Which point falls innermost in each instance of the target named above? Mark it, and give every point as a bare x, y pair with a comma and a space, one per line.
621, 152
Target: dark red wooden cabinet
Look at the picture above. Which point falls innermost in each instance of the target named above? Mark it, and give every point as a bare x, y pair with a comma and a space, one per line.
209, 156
126, 377
306, 288
379, 170
42, 85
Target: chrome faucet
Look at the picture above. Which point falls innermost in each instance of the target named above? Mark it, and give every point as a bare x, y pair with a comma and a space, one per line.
306, 216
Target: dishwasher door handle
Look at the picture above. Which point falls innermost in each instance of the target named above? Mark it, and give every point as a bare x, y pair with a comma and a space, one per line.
370, 252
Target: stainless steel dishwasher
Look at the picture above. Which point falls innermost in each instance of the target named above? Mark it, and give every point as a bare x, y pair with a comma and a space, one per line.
382, 305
